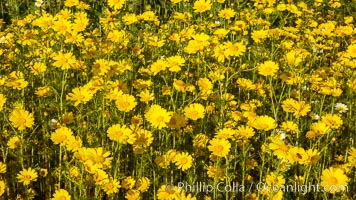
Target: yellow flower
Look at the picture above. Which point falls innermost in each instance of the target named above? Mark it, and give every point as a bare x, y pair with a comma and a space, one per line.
98, 158
183, 161
2, 101
158, 116
21, 119
179, 85
244, 132
265, 123
80, 95
332, 120
225, 133
99, 175
334, 180
167, 192
289, 126
2, 188
62, 25
74, 172
227, 13
312, 157
121, 134
14, 142
144, 138
275, 179
202, 6
43, 91
129, 19
16, 80
74, 144
64, 60
2, 168
112, 186
43, 172
177, 121
126, 103
143, 184
61, 194
158, 66
194, 111
62, 135
219, 147
146, 96
268, 68
132, 195
71, 3
279, 148
297, 155
128, 183
216, 172
351, 51
259, 35
116, 4
27, 175
175, 63
352, 156
234, 49
183, 196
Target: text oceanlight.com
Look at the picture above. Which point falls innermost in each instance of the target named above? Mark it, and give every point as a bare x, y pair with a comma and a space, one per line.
259, 187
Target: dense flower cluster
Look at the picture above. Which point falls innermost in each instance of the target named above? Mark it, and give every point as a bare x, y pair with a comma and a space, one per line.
115, 99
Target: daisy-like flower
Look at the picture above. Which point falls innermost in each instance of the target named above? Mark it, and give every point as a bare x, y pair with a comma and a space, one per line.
112, 186
80, 95
128, 183
194, 111
234, 49
21, 119
121, 134
62, 135
227, 13
268, 68
342, 108
126, 102
132, 194
167, 192
14, 142
183, 161
27, 175
334, 180
177, 121
265, 123
116, 4
142, 184
279, 148
219, 147
146, 96
144, 138
98, 158
332, 120
201, 6
64, 60
175, 63
61, 195
214, 171
158, 116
